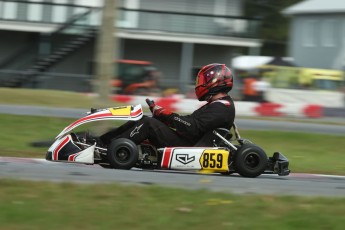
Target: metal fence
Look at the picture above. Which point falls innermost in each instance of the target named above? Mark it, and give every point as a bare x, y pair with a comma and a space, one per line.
39, 12
188, 23
47, 80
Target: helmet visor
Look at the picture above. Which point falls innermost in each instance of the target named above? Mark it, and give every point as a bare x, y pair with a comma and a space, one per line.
208, 74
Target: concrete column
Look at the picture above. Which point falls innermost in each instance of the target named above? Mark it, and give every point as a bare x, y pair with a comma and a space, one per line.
106, 48
186, 64
255, 51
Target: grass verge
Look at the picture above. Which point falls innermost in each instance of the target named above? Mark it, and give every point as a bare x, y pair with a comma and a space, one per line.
43, 205
313, 153
52, 98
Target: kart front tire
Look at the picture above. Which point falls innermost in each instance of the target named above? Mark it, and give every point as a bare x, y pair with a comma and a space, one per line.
250, 160
122, 153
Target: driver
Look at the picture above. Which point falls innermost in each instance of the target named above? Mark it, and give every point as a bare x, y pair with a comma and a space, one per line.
168, 129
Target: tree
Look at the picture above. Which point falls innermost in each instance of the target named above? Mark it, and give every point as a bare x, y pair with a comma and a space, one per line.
274, 30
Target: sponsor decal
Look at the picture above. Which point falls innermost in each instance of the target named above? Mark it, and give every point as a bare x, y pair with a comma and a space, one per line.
121, 111
135, 130
182, 121
184, 158
214, 159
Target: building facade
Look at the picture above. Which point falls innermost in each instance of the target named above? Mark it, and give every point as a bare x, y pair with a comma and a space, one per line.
52, 43
317, 34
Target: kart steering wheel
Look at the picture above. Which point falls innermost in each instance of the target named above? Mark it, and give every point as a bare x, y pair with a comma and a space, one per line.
149, 102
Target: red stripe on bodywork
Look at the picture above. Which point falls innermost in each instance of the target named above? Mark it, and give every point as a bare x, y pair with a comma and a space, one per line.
60, 146
136, 113
89, 118
73, 156
166, 157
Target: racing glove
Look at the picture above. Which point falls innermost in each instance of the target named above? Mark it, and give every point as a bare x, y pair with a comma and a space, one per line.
159, 112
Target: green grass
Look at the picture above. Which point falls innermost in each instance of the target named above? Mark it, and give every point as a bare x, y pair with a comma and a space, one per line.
43, 205
53, 98
314, 153
19, 132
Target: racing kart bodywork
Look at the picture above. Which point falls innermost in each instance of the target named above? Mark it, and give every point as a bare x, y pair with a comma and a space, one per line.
228, 154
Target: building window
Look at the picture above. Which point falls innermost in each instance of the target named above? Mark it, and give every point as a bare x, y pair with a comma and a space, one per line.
35, 11
129, 19
328, 33
9, 10
309, 33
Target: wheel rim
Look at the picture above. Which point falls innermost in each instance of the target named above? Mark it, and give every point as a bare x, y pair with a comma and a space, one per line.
252, 160
122, 155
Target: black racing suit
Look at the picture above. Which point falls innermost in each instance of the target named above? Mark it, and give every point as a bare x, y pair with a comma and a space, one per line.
175, 130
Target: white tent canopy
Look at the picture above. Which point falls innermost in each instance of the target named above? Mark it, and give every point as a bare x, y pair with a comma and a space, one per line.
253, 62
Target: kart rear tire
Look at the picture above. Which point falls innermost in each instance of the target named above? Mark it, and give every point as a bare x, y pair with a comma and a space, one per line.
122, 153
250, 160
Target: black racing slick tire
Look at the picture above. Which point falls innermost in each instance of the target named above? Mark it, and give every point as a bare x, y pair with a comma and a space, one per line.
250, 160
122, 153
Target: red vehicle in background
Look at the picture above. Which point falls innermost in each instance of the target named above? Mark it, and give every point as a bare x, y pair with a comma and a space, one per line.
135, 77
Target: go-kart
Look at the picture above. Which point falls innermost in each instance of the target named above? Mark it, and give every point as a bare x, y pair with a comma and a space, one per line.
228, 154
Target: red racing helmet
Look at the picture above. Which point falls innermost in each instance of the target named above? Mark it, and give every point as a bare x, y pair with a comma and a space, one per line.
212, 79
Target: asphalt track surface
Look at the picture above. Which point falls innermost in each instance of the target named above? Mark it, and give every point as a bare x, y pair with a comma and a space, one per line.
295, 184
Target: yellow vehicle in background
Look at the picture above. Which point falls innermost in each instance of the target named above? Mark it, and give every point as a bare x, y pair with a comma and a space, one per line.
302, 78
322, 79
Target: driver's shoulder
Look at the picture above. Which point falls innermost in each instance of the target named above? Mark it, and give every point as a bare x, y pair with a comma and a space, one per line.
220, 102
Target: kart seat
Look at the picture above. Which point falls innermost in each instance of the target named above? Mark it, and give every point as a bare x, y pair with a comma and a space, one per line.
211, 140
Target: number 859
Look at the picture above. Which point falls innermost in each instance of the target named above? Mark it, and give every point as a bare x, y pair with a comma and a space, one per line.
212, 160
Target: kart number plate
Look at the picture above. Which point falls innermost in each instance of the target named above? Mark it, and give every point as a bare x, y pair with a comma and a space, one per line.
121, 111
215, 160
